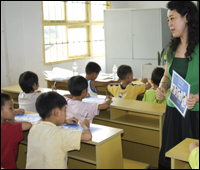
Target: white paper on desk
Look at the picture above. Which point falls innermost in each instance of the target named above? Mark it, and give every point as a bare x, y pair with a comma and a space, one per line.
32, 118
58, 74
101, 76
78, 127
94, 99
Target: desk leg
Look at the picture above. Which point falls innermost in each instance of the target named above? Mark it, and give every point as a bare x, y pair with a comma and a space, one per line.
161, 122
109, 154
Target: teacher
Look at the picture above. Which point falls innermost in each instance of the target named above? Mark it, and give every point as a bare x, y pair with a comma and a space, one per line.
182, 57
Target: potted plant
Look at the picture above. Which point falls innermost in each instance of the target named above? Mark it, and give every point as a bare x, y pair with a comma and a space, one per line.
160, 56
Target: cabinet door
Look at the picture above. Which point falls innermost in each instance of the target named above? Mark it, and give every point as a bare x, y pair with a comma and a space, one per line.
137, 67
146, 33
118, 40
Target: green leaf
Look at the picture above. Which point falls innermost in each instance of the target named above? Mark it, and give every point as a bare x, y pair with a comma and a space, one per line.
162, 52
159, 58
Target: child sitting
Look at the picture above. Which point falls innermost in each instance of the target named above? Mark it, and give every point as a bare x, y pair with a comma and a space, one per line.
126, 89
48, 145
11, 133
28, 82
150, 95
77, 86
194, 155
92, 70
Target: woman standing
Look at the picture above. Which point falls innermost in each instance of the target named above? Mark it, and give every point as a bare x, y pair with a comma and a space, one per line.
183, 57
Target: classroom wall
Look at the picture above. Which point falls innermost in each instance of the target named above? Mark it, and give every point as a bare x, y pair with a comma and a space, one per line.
21, 43
140, 4
21, 39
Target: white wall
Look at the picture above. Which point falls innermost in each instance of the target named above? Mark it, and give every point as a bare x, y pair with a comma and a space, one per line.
21, 39
140, 4
21, 43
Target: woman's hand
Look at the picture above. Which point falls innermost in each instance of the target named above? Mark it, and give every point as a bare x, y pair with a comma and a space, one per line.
160, 93
191, 101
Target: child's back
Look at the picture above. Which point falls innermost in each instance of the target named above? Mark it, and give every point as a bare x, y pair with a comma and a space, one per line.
48, 145
126, 89
77, 86
150, 96
28, 82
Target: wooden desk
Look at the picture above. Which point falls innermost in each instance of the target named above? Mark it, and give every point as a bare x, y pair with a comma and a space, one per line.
102, 90
103, 151
180, 153
142, 123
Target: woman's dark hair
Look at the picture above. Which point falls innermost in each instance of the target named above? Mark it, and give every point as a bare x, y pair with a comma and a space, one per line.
48, 101
183, 8
92, 67
27, 80
76, 85
123, 70
157, 75
4, 97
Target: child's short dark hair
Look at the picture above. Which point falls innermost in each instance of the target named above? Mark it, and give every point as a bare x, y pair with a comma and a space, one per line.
123, 70
48, 101
27, 80
4, 97
92, 67
157, 75
76, 85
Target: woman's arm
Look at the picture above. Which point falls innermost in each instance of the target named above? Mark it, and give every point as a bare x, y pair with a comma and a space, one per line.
165, 83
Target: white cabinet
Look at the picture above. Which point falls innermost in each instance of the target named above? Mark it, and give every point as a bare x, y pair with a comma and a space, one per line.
133, 37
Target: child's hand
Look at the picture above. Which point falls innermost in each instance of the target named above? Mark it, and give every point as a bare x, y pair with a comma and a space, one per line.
53, 88
71, 120
85, 124
38, 91
19, 111
108, 98
144, 80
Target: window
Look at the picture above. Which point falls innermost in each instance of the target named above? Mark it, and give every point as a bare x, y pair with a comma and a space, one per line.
73, 30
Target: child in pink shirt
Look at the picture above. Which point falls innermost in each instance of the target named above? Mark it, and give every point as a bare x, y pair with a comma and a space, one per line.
77, 86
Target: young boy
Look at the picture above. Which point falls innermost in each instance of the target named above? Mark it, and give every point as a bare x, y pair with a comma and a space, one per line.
28, 82
48, 145
126, 89
150, 95
194, 155
11, 133
77, 86
92, 70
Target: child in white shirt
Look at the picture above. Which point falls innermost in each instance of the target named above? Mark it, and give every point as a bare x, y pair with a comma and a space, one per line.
92, 70
28, 82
